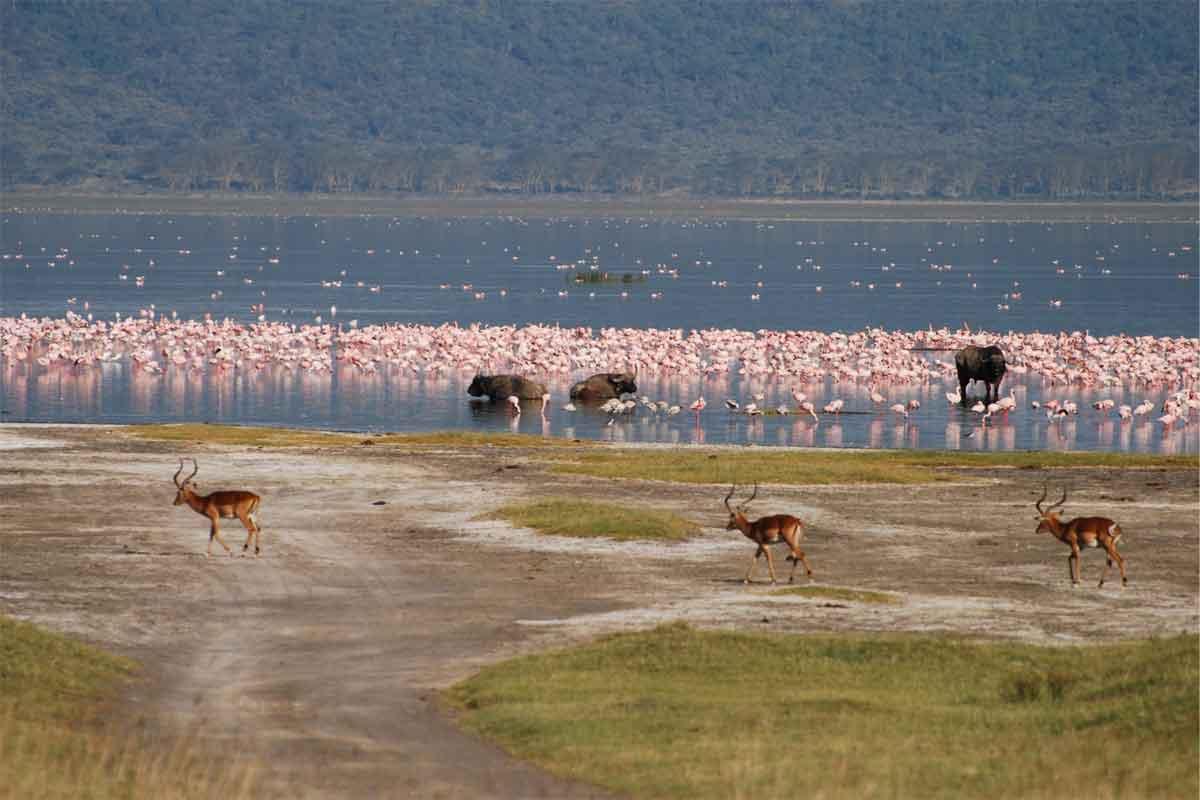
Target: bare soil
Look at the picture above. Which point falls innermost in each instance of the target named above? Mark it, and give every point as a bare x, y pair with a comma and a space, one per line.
321, 660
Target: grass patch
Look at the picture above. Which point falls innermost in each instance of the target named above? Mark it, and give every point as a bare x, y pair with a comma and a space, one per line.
194, 433
820, 467
838, 593
561, 516
677, 712
52, 745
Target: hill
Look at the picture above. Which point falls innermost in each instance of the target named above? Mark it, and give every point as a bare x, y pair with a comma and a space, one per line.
938, 98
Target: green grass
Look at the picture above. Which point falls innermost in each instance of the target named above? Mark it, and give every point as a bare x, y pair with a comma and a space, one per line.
677, 712
837, 593
561, 516
819, 467
290, 437
53, 744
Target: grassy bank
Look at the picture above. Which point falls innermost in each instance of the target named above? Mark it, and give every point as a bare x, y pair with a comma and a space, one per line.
194, 433
562, 516
820, 467
677, 712
52, 745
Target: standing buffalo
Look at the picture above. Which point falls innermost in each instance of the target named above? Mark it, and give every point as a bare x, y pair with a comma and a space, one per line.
980, 364
604, 386
501, 387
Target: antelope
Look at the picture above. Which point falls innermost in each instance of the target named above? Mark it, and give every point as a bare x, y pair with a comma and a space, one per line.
1082, 532
768, 531
230, 504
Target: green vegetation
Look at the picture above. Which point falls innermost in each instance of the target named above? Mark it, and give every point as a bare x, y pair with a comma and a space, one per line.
682, 464
562, 516
820, 467
52, 691
940, 99
837, 593
193, 433
677, 712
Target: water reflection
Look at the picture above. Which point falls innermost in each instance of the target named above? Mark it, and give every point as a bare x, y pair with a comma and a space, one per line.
390, 399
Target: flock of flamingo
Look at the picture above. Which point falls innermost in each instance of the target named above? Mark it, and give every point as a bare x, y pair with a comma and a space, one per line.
879, 358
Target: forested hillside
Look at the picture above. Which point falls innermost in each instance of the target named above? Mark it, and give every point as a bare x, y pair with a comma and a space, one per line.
814, 98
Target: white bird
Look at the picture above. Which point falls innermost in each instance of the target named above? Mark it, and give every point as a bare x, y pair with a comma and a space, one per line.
569, 407
514, 404
732, 405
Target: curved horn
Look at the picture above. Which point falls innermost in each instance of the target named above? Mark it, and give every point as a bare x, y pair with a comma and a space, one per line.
731, 488
1038, 504
752, 496
196, 469
1060, 502
175, 477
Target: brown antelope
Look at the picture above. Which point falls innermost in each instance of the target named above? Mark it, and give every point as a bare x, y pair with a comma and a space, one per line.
1082, 532
767, 531
230, 504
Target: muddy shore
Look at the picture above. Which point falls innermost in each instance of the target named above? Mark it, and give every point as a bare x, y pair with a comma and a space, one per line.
378, 585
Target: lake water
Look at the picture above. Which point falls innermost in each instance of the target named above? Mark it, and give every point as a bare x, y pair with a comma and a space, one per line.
1106, 279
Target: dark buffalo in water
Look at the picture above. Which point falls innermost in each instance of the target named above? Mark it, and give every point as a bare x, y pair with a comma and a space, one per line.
604, 386
501, 387
980, 364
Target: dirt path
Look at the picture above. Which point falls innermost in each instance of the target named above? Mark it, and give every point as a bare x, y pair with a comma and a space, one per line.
320, 660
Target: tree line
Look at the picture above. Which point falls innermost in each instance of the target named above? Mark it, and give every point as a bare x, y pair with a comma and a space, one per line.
790, 98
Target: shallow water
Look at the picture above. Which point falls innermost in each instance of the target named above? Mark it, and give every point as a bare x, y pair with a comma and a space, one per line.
1107, 279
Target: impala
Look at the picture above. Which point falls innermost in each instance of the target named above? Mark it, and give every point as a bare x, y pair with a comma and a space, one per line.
767, 531
1082, 532
230, 504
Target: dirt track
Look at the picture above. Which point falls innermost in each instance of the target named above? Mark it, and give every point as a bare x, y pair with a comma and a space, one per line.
321, 658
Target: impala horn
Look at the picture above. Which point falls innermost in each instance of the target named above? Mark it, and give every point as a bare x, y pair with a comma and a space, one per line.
750, 500
1038, 504
188, 479
731, 488
1060, 502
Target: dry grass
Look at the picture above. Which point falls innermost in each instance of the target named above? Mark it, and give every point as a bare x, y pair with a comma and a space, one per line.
562, 516
820, 467
677, 712
53, 744
193, 433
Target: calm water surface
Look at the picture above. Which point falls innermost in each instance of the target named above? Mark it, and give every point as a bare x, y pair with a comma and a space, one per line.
1139, 279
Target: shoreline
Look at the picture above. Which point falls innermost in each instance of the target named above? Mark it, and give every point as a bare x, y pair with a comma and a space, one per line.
580, 206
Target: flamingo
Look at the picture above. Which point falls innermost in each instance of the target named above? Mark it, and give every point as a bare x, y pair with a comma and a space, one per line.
514, 405
698, 406
898, 408
834, 406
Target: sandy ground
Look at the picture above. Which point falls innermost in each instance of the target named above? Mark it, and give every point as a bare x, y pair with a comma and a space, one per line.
378, 586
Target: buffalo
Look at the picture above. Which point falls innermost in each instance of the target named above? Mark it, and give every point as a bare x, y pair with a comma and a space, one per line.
500, 387
604, 386
980, 364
